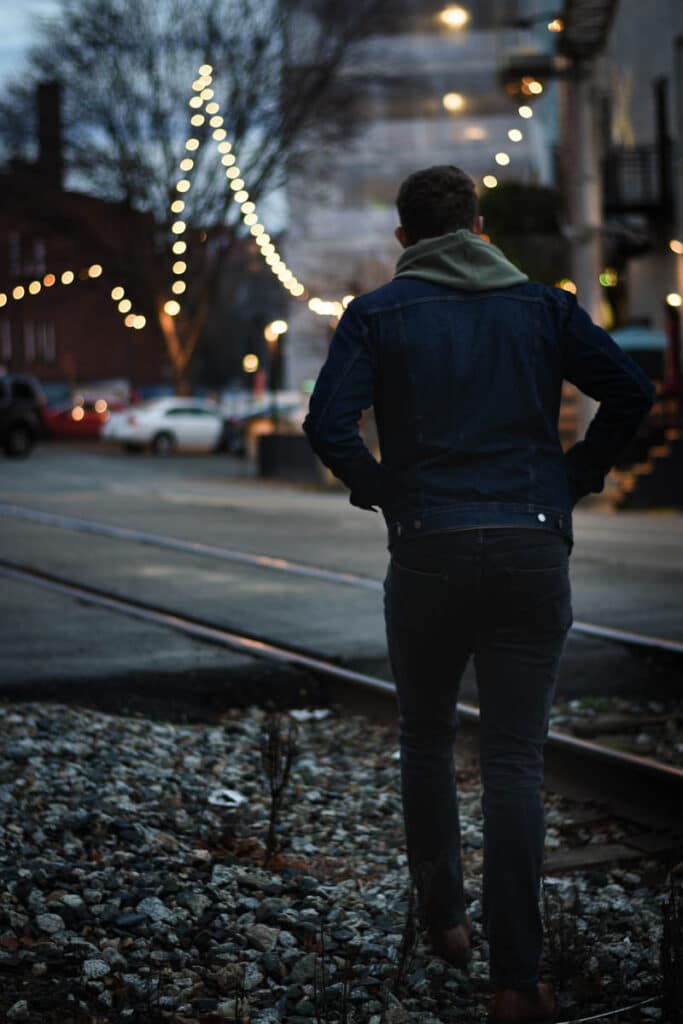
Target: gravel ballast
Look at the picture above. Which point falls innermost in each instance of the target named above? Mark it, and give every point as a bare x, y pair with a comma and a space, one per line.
133, 884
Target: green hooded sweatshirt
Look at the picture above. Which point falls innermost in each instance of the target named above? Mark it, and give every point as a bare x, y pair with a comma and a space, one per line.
460, 259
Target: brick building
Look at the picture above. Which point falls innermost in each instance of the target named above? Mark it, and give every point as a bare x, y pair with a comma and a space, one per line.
61, 253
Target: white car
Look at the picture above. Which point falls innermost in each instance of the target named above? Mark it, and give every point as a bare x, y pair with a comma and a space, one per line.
167, 425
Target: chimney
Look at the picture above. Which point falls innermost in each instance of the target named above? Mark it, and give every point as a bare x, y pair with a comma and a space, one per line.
50, 157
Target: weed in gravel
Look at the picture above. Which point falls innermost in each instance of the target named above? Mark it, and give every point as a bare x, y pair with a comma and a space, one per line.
671, 954
278, 749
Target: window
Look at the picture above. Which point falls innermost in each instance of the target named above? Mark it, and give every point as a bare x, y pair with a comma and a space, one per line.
15, 254
5, 339
29, 341
45, 338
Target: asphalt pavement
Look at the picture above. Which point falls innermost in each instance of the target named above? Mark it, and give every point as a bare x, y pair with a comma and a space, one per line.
626, 572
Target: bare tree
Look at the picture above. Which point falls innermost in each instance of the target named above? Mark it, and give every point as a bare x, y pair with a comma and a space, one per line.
127, 68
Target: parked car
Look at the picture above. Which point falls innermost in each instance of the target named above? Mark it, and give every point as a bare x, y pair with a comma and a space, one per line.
22, 405
80, 418
166, 425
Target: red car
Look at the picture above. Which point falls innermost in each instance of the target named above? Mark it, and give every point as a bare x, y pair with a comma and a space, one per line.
82, 418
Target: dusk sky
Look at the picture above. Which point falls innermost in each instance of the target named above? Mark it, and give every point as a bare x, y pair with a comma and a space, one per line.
17, 31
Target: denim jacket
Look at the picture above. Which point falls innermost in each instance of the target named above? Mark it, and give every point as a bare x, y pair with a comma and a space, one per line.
466, 387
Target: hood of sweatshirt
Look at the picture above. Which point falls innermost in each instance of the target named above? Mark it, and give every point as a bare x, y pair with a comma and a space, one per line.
460, 259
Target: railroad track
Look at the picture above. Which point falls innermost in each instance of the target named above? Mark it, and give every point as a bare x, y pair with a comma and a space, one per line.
644, 788
640, 642
637, 788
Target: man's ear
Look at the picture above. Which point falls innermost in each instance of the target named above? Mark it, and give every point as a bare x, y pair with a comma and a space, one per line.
402, 237
478, 228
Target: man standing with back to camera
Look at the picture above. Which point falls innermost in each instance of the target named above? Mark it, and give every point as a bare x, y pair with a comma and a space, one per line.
463, 359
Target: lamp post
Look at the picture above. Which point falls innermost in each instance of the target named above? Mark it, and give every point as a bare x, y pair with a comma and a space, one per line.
272, 333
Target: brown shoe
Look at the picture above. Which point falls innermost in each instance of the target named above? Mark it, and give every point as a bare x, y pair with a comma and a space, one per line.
511, 1007
453, 944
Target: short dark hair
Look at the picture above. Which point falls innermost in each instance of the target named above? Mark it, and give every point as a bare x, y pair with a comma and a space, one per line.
436, 201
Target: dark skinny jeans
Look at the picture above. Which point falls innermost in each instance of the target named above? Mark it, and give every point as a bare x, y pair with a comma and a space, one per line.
503, 595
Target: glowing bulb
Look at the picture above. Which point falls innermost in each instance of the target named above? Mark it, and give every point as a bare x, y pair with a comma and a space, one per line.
139, 322
216, 122
279, 327
264, 239
674, 299
267, 249
34, 287
257, 229
172, 307
77, 413
270, 260
195, 102
228, 160
502, 158
179, 267
184, 185
130, 320
490, 180
197, 119
241, 196
556, 25
347, 300
192, 144
567, 285
117, 293
177, 206
179, 247
198, 85
248, 208
206, 69
125, 306
237, 184
250, 219
67, 277
206, 94
224, 147
178, 287
219, 134
3, 299
525, 111
535, 88
475, 132
18, 292
49, 280
178, 227
455, 17
212, 108
250, 363
101, 405
187, 164
676, 246
453, 101
515, 135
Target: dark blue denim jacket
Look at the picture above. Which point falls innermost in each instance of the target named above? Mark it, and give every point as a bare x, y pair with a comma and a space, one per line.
466, 388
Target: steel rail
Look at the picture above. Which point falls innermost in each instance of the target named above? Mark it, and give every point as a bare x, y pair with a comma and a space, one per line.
608, 633
262, 647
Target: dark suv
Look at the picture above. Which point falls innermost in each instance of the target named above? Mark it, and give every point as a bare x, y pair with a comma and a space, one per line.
21, 413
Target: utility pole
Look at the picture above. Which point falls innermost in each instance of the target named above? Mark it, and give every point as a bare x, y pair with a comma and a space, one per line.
584, 177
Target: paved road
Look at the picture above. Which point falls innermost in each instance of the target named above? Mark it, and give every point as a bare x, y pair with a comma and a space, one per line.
626, 571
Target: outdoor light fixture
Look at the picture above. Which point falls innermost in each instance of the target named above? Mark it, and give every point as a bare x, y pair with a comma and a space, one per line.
454, 17
674, 299
453, 101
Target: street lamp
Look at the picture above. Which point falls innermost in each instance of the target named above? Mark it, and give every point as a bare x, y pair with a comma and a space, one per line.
272, 332
454, 17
